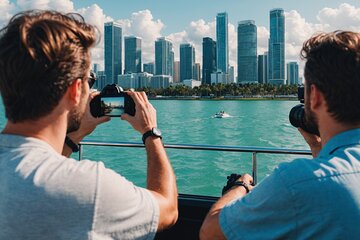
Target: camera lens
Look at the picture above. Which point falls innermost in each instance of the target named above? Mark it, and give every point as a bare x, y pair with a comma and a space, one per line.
297, 119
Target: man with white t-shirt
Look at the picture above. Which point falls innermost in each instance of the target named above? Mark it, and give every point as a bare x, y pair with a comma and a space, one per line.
44, 83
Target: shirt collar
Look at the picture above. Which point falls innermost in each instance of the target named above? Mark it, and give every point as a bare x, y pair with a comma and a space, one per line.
350, 137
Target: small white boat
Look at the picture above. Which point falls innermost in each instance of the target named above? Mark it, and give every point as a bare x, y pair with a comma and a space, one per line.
221, 114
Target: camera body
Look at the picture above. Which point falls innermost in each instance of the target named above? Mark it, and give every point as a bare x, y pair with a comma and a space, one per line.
297, 116
112, 101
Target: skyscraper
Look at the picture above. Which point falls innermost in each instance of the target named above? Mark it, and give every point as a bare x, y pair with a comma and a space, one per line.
164, 57
222, 42
292, 73
149, 67
263, 68
176, 72
247, 52
113, 51
277, 47
132, 54
208, 59
187, 61
197, 72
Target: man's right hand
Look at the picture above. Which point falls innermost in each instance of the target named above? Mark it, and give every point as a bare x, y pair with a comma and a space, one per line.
145, 116
313, 141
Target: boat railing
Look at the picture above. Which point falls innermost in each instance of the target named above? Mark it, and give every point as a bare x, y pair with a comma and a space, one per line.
244, 149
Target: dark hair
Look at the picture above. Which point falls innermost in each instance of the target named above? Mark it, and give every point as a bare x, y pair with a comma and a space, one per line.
333, 65
41, 53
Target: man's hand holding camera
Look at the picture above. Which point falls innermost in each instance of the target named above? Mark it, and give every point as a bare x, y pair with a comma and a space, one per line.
145, 116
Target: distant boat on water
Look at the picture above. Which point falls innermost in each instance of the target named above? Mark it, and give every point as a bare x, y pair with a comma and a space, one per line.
221, 114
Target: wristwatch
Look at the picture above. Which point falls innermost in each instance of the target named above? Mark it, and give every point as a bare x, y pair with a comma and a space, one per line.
155, 132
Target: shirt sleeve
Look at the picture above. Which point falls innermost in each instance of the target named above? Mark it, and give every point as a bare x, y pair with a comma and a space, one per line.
123, 210
265, 213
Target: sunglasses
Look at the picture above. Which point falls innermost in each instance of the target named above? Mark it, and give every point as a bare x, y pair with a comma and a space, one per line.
91, 79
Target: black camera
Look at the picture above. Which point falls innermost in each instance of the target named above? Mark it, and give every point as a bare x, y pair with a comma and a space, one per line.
297, 115
230, 182
112, 101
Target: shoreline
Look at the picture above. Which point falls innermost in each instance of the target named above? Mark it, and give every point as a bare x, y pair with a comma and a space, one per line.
226, 98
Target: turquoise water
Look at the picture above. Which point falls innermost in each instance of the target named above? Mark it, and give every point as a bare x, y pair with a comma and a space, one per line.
253, 123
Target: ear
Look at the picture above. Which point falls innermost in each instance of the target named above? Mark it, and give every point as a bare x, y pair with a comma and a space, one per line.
316, 98
74, 91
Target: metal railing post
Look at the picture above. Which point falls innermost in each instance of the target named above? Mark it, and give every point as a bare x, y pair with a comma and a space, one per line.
254, 168
80, 151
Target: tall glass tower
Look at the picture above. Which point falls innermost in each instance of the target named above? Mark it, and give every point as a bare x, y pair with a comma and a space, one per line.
208, 59
292, 73
247, 52
263, 68
132, 54
277, 47
164, 57
187, 61
113, 51
222, 42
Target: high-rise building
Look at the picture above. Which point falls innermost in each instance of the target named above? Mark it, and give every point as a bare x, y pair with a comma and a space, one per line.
187, 61
100, 80
176, 72
149, 67
197, 72
263, 68
292, 72
208, 59
164, 57
277, 47
247, 52
113, 51
132, 54
222, 42
231, 74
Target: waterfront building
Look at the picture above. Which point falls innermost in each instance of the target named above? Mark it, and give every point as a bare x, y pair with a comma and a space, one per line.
219, 77
197, 72
277, 47
187, 61
96, 67
232, 74
161, 81
132, 54
292, 73
247, 52
263, 68
222, 42
112, 51
164, 57
192, 83
135, 80
176, 77
100, 80
149, 67
208, 59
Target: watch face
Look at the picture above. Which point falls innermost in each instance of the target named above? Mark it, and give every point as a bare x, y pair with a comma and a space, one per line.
156, 131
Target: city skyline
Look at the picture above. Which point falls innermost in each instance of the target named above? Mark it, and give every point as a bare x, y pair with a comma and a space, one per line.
151, 20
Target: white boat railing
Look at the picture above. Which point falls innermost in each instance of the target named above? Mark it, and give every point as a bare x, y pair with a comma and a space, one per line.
246, 149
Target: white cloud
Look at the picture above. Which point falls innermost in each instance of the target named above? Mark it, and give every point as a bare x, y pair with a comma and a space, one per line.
6, 11
63, 5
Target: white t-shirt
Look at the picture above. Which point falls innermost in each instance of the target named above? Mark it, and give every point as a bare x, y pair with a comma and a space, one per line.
44, 195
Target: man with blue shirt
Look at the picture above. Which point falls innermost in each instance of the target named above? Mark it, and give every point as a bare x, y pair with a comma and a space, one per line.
315, 198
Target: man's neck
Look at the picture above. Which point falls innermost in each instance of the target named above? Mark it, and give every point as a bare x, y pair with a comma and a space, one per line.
329, 128
49, 129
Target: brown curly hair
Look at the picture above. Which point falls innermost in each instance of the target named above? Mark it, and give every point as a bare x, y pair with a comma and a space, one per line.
41, 53
333, 65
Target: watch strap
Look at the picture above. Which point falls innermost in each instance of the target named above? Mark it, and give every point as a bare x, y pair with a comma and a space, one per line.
148, 134
243, 184
73, 146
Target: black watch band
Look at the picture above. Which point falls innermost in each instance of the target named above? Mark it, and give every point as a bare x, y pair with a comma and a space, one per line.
73, 146
153, 132
244, 184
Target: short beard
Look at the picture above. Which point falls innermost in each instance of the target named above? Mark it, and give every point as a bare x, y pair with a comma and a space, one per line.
74, 120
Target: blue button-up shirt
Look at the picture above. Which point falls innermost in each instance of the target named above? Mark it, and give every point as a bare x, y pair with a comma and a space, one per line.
304, 199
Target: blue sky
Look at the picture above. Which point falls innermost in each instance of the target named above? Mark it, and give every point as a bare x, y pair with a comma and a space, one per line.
189, 21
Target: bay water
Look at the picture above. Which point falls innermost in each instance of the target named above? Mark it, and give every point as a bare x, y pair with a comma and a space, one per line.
258, 123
